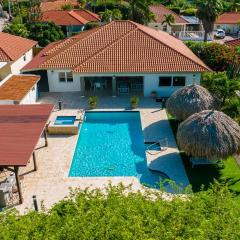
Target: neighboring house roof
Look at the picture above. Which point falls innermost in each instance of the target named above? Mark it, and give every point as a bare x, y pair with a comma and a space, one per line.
17, 87
191, 20
21, 127
229, 18
233, 43
120, 46
160, 11
13, 47
57, 5
68, 18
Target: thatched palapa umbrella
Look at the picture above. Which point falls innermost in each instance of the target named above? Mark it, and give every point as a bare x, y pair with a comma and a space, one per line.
189, 100
209, 134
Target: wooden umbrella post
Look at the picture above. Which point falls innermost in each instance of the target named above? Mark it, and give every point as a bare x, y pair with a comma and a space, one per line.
45, 137
34, 161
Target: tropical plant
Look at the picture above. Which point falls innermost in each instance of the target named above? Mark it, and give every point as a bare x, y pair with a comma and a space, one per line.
134, 101
110, 15
121, 214
67, 7
44, 33
217, 56
17, 28
169, 20
208, 12
92, 101
140, 12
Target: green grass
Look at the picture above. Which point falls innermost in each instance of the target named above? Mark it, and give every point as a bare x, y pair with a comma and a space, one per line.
202, 176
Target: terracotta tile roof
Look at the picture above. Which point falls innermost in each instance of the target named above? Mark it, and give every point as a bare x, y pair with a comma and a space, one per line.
17, 87
57, 5
67, 18
120, 46
229, 18
21, 127
160, 10
233, 43
13, 47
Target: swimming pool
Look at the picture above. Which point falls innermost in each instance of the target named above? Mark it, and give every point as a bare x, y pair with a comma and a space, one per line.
111, 144
65, 120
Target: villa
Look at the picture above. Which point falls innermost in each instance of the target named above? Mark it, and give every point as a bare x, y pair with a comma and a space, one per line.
160, 11
15, 53
71, 22
229, 21
119, 58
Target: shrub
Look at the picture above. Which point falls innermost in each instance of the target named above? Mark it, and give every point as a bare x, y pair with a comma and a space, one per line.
134, 101
92, 101
217, 56
214, 214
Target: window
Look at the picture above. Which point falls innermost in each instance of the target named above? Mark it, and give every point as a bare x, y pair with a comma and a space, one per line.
69, 77
61, 77
179, 81
165, 81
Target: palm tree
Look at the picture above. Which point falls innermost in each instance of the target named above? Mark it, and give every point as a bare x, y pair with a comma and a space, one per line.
169, 20
208, 12
140, 11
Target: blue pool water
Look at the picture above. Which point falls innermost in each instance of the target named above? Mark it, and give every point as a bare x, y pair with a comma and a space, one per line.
112, 144
65, 120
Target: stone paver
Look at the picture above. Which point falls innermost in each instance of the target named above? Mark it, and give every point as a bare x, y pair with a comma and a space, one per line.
50, 183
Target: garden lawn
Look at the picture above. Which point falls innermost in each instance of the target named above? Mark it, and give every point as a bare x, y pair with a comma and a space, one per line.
202, 176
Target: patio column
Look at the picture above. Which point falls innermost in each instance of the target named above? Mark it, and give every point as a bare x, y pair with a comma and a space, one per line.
45, 137
114, 86
82, 86
34, 161
16, 168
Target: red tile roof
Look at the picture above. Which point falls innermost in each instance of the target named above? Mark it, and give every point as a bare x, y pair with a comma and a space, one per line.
57, 5
159, 12
229, 18
21, 127
17, 87
67, 18
120, 46
13, 47
233, 43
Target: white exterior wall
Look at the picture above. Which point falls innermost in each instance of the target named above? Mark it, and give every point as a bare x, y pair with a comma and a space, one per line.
31, 97
6, 102
159, 26
151, 83
20, 63
56, 86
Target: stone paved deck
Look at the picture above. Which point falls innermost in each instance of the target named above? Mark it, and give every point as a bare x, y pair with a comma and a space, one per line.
50, 183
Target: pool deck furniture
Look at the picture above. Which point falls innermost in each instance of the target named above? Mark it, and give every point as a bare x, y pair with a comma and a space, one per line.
21, 126
202, 161
157, 147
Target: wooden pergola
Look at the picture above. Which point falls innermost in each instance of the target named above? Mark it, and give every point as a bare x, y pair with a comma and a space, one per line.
21, 126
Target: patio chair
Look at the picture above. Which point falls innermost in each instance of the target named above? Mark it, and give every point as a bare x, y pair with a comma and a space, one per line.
155, 148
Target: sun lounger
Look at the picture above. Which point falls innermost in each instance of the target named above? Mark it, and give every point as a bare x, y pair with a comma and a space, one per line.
157, 147
202, 161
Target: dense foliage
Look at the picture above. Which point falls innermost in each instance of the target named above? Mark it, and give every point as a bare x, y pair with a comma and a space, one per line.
217, 56
214, 214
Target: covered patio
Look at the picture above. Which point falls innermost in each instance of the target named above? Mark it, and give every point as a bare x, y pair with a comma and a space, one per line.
112, 85
21, 126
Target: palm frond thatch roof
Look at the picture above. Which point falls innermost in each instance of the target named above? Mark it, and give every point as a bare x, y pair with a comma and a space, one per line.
189, 100
209, 134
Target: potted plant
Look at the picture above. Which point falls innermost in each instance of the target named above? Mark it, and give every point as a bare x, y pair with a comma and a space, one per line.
134, 101
153, 94
92, 101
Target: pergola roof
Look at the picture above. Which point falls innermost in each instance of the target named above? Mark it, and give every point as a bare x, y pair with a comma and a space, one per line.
21, 127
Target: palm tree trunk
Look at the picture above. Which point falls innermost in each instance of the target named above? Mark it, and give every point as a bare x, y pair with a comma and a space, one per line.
205, 36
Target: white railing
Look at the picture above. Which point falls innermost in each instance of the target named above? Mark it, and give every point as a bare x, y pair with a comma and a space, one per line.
192, 35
